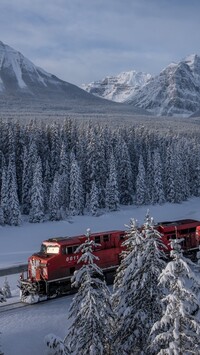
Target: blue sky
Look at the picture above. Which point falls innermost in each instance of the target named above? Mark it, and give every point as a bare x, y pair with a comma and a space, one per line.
85, 40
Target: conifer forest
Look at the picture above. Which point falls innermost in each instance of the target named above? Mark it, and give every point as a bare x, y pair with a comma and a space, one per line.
49, 170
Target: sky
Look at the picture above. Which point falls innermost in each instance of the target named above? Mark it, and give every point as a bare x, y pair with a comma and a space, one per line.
85, 40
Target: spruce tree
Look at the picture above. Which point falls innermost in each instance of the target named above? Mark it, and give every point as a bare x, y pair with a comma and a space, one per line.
76, 189
94, 200
136, 290
178, 330
37, 195
141, 186
158, 195
91, 312
6, 289
13, 207
55, 345
4, 196
54, 201
112, 191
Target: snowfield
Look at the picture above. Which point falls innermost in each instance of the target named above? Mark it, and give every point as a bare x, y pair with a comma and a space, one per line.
23, 330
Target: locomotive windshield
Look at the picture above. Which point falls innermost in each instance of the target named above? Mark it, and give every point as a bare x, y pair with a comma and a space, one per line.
49, 249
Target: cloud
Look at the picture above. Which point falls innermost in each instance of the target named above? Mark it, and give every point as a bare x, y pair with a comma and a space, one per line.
84, 40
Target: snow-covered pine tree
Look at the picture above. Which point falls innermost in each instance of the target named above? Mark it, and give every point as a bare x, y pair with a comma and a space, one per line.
169, 171
141, 186
2, 296
37, 195
2, 219
149, 177
6, 289
30, 157
4, 196
178, 330
64, 177
13, 207
55, 345
54, 201
137, 293
90, 311
112, 192
76, 189
55, 143
158, 194
47, 185
94, 200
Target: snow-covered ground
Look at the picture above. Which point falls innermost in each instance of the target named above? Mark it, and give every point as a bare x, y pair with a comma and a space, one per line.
23, 330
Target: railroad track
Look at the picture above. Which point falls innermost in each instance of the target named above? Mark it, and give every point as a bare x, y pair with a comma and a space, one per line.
12, 306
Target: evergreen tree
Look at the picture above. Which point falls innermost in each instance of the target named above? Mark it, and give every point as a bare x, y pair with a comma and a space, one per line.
47, 186
56, 346
158, 196
4, 196
29, 162
91, 310
137, 293
141, 186
64, 172
178, 330
150, 177
112, 192
2, 296
125, 176
170, 176
55, 142
2, 219
37, 195
6, 289
54, 201
13, 207
94, 200
76, 189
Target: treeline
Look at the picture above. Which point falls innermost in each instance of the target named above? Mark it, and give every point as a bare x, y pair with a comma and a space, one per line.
51, 170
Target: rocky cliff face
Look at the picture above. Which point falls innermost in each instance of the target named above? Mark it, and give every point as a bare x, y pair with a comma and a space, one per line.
118, 88
174, 92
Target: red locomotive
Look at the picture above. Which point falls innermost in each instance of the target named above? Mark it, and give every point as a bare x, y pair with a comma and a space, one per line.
50, 270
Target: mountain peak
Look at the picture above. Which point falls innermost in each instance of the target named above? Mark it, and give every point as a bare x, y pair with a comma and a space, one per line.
25, 87
175, 91
118, 88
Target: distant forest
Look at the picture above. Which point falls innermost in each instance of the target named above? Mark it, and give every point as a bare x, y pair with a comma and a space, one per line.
49, 170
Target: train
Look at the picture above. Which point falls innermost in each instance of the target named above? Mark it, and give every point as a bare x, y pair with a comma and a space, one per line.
50, 270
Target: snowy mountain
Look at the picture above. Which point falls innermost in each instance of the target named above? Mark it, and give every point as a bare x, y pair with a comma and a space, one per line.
174, 92
26, 87
118, 88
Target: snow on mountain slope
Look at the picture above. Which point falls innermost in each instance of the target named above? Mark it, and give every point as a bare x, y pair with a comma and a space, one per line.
118, 88
25, 87
174, 92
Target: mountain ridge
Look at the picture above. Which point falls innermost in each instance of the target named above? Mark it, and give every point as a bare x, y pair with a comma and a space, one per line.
118, 88
24, 86
175, 91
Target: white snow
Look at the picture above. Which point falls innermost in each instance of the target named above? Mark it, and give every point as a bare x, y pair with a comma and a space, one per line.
118, 88
23, 330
